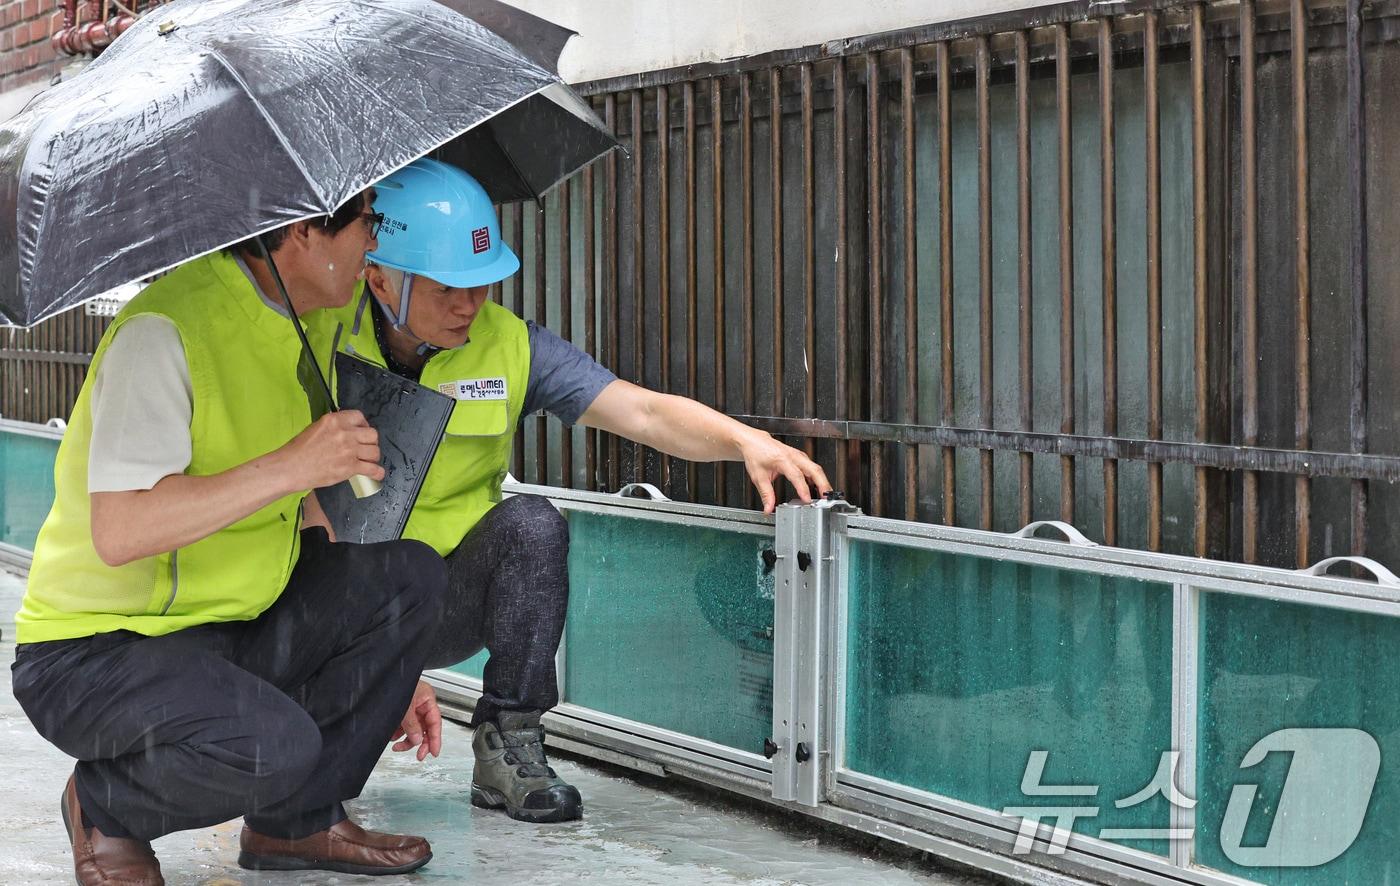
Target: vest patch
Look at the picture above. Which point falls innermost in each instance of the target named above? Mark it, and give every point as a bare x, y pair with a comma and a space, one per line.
475, 389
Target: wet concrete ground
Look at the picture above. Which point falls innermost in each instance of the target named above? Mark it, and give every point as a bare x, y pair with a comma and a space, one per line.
663, 834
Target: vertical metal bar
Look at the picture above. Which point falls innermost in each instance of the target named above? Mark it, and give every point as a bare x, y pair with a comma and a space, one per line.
876, 230
945, 273
1302, 493
496, 292
65, 371
590, 318
692, 351
911, 284
518, 306
1154, 277
809, 258
847, 459
71, 372
541, 318
775, 159
44, 373
639, 228
1024, 278
984, 273
663, 209
746, 199
518, 242
1186, 630
1249, 244
717, 159
566, 317
1198, 213
611, 281
1110, 279
1066, 161
1360, 281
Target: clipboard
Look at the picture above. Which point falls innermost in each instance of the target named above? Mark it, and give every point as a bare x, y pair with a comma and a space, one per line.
410, 420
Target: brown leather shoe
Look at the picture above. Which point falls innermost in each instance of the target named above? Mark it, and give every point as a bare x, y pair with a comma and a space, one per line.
100, 860
344, 847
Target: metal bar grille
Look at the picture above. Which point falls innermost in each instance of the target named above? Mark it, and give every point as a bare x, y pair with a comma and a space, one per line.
1163, 367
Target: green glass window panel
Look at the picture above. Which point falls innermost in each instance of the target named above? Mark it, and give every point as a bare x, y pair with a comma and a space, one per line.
473, 666
26, 487
671, 626
1265, 666
958, 667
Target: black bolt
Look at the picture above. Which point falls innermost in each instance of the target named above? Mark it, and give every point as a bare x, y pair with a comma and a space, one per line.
804, 560
769, 749
770, 559
802, 754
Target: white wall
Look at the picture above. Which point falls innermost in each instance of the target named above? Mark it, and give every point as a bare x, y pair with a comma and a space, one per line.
630, 36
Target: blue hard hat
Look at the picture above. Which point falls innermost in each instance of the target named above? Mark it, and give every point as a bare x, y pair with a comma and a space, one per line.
439, 223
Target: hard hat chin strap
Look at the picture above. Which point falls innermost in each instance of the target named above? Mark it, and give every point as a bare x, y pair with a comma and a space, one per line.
400, 322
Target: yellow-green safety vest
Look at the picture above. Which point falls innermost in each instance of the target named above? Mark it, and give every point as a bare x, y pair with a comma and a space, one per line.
242, 360
464, 481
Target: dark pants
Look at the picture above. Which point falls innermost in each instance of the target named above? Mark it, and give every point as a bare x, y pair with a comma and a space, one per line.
278, 719
508, 592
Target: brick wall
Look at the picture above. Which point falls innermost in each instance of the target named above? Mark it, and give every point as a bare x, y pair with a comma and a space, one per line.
25, 53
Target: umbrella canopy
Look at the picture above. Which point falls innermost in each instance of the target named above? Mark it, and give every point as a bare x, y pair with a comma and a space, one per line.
540, 39
213, 120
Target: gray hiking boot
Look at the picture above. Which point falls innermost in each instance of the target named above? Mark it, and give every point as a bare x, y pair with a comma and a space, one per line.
512, 773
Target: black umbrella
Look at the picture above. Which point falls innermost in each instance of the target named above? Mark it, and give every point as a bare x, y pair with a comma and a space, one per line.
213, 120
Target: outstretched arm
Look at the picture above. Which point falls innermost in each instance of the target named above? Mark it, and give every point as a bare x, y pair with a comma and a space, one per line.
693, 431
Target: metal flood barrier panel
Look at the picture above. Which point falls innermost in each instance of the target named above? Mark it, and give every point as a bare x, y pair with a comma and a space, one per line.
1045, 709
27, 454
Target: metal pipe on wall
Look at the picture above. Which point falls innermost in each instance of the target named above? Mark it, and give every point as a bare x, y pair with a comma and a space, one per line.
984, 276
566, 317
809, 255
1249, 274
638, 268
1302, 422
1024, 284
1360, 277
1108, 226
1200, 278
945, 272
663, 244
692, 343
590, 316
911, 282
847, 459
612, 282
721, 330
746, 201
875, 231
1153, 163
1066, 163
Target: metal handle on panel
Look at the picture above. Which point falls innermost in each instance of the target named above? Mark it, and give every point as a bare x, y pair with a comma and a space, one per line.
641, 490
1072, 535
1382, 575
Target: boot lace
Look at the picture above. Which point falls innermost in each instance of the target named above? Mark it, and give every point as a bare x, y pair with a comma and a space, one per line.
525, 750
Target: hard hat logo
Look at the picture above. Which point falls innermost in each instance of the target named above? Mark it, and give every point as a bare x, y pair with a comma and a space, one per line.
481, 240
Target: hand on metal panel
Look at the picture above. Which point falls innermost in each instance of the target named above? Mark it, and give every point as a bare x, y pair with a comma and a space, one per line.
766, 460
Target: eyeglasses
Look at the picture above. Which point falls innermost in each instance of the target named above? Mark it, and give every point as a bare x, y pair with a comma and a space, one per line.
375, 220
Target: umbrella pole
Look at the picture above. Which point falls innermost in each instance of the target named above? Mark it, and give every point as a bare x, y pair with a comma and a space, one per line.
296, 321
361, 485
